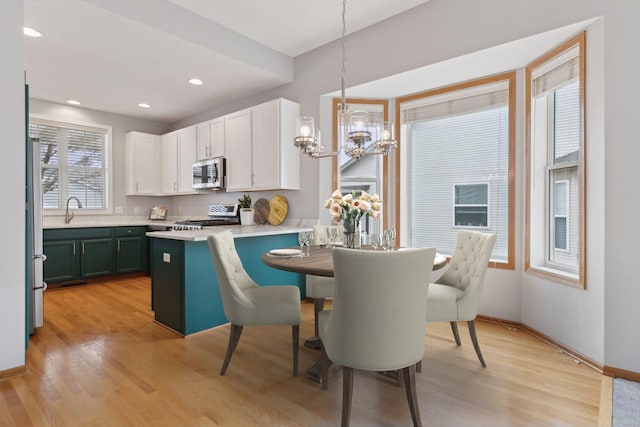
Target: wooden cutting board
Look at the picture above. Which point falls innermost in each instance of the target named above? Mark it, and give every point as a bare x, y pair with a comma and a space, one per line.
278, 208
261, 211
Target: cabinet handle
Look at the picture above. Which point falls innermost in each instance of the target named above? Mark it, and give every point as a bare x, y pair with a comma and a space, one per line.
175, 186
136, 187
74, 248
82, 248
206, 151
118, 245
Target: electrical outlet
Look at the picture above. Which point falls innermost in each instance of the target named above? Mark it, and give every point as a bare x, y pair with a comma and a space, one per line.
166, 257
119, 210
179, 209
136, 210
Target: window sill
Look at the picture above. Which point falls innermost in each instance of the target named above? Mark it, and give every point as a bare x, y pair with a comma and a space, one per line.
556, 275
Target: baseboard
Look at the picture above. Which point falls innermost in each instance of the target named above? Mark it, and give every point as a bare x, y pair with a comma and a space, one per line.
574, 354
621, 373
13, 372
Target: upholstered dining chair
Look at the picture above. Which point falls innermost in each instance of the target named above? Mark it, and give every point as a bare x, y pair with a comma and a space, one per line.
456, 295
322, 287
377, 319
247, 303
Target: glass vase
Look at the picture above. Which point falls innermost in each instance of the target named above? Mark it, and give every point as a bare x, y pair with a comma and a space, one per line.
352, 233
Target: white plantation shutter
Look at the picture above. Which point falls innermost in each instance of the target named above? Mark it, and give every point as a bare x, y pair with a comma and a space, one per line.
461, 142
73, 160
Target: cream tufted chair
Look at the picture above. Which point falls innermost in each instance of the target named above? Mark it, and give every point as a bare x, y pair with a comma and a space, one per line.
246, 303
456, 296
377, 319
322, 287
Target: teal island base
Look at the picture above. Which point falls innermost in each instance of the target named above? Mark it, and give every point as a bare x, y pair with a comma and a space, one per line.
184, 288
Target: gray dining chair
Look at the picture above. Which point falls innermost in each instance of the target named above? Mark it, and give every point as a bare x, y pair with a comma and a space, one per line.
247, 303
377, 319
456, 295
321, 287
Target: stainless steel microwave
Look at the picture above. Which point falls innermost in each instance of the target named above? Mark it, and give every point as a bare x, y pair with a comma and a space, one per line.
209, 173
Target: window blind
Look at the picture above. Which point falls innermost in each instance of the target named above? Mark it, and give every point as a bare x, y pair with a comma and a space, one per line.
456, 144
557, 76
73, 163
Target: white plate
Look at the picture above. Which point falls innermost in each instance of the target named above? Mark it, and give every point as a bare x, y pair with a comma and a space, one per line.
284, 252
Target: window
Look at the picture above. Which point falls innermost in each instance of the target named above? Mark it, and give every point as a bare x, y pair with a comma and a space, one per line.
74, 162
555, 159
471, 205
459, 139
368, 172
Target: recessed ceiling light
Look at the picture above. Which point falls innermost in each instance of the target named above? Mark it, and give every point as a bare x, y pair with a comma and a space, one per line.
31, 32
74, 102
196, 82
144, 105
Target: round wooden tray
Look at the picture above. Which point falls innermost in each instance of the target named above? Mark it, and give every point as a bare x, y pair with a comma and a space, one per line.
261, 211
278, 208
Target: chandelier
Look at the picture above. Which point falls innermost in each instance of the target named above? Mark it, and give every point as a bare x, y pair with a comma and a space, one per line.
354, 128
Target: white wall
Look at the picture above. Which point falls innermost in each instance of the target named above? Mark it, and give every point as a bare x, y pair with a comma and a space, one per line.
12, 174
622, 151
120, 126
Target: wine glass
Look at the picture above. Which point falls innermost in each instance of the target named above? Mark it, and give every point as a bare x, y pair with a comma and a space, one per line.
301, 242
376, 241
334, 234
329, 237
308, 238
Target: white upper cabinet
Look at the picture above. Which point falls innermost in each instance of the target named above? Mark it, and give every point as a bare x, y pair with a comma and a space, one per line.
237, 131
143, 153
210, 139
186, 156
259, 147
178, 155
170, 163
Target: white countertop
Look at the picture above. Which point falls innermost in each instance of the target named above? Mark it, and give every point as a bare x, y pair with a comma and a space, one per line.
238, 231
115, 221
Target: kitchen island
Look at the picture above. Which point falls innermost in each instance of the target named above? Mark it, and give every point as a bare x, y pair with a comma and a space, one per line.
184, 288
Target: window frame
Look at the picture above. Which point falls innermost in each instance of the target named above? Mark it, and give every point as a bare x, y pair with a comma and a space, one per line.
550, 270
335, 166
510, 78
63, 170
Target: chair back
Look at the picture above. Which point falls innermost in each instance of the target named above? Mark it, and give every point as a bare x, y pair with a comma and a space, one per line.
232, 277
467, 269
320, 234
377, 319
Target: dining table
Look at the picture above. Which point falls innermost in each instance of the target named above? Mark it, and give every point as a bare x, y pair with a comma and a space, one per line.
319, 262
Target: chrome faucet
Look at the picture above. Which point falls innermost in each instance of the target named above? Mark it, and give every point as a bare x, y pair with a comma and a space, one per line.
68, 216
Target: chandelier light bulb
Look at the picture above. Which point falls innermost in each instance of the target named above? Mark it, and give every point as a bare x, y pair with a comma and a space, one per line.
305, 131
386, 135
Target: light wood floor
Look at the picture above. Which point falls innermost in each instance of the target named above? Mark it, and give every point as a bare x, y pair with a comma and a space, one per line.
100, 360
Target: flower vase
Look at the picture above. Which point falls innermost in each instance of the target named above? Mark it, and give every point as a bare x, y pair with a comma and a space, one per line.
352, 234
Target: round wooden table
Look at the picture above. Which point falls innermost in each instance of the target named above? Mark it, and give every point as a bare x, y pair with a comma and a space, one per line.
320, 261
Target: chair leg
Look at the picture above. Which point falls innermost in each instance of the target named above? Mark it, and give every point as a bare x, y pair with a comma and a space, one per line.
419, 366
295, 335
234, 337
324, 365
409, 374
318, 306
347, 391
474, 340
456, 335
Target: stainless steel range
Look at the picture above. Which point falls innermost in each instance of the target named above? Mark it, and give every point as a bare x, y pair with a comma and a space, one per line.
218, 215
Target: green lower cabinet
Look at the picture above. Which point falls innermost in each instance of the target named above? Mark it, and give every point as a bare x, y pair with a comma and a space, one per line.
130, 252
75, 254
96, 258
62, 261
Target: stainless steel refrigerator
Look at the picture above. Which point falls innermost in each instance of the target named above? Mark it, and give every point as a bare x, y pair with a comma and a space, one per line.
35, 257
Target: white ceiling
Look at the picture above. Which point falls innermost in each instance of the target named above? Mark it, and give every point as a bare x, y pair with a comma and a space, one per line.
113, 54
